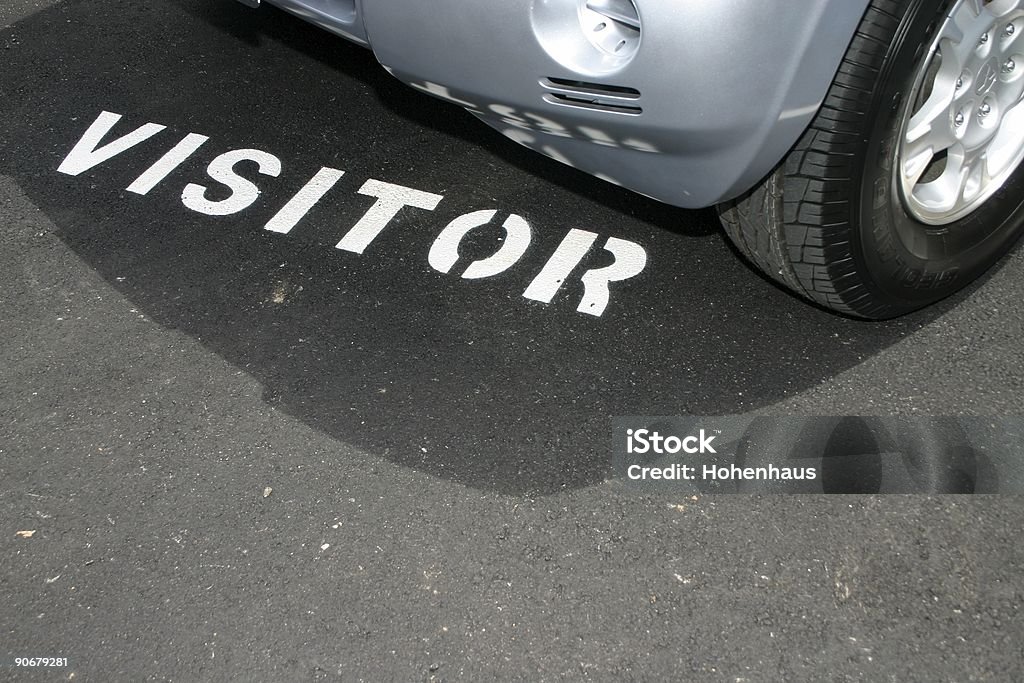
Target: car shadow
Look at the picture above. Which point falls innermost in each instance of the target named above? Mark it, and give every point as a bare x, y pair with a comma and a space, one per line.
468, 381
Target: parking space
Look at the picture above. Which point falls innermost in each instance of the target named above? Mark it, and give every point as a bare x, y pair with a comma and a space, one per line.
351, 418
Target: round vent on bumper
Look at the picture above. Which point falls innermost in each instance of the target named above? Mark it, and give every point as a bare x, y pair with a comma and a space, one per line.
613, 26
588, 37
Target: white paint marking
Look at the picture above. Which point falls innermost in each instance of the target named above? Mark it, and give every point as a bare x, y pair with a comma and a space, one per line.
390, 200
299, 205
444, 253
630, 261
567, 256
167, 163
243, 192
86, 153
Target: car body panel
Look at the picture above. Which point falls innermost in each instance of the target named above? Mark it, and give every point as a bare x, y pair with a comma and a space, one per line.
337, 16
708, 101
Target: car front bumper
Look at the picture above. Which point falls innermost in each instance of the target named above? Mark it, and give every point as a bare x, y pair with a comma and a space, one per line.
704, 103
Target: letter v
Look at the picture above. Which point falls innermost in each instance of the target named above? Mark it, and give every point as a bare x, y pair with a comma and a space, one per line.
86, 154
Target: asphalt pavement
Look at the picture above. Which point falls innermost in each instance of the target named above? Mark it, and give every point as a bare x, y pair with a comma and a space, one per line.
249, 454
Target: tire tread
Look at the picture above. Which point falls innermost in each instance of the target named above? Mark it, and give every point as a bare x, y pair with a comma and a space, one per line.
794, 226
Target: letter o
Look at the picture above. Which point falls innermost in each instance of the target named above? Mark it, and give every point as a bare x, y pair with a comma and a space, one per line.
444, 253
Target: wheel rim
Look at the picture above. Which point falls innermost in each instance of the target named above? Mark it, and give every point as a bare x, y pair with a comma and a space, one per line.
962, 131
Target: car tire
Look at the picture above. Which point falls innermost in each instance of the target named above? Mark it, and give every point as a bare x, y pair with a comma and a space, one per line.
843, 220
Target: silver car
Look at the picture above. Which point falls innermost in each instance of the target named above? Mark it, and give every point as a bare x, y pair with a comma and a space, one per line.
864, 153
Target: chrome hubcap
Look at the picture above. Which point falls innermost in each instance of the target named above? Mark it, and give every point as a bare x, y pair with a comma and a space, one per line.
962, 133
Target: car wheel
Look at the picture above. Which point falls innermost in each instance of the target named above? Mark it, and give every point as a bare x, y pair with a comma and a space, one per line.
908, 184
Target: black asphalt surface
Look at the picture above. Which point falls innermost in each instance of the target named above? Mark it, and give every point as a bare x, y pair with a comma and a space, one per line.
252, 456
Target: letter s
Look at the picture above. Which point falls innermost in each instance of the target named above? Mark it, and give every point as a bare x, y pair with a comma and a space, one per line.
639, 436
243, 192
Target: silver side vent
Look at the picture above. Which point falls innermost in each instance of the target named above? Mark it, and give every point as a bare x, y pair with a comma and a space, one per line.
613, 99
